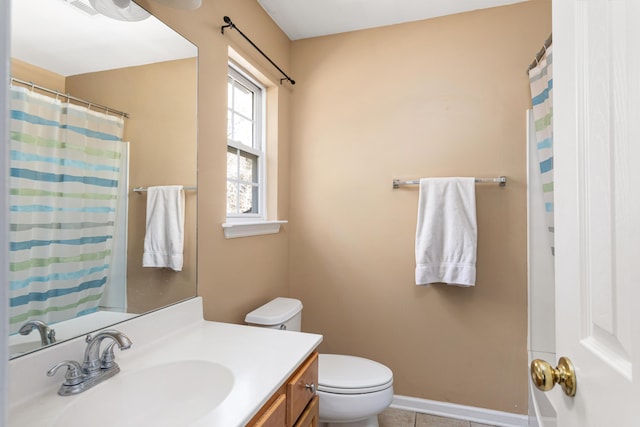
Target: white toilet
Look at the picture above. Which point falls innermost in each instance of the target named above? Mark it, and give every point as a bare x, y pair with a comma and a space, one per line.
352, 390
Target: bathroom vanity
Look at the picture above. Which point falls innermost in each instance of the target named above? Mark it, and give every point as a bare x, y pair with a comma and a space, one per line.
295, 403
180, 371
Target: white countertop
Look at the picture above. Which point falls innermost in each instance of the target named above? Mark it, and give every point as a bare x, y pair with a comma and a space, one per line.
260, 360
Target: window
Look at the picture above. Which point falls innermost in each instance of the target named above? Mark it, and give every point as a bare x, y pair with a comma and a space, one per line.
247, 159
245, 148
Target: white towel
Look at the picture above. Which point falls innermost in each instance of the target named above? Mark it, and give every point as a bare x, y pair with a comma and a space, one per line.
446, 235
164, 239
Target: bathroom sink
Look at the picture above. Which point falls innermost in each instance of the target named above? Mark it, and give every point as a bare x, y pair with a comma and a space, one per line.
172, 394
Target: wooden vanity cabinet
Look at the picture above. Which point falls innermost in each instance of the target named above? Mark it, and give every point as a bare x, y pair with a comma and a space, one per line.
310, 416
295, 404
275, 414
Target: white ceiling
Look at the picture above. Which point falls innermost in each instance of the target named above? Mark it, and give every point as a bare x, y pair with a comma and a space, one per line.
59, 37
301, 19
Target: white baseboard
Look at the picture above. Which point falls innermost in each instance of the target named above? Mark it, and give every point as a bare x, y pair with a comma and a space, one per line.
452, 410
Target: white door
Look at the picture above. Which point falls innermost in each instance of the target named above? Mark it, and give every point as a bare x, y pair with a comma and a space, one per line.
597, 217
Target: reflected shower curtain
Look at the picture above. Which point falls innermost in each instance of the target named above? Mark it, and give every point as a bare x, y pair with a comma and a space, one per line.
541, 82
64, 164
114, 297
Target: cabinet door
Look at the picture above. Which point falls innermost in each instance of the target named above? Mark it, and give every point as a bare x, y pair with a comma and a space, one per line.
310, 416
301, 388
276, 414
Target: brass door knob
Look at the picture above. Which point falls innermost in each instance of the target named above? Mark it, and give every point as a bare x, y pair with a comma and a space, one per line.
545, 376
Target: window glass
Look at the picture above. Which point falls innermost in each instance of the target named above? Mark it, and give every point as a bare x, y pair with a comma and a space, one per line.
248, 168
245, 157
243, 131
243, 99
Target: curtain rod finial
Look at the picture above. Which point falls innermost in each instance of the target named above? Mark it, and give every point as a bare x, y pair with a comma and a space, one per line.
229, 23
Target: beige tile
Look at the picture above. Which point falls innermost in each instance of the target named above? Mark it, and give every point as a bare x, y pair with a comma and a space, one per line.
472, 424
426, 420
397, 418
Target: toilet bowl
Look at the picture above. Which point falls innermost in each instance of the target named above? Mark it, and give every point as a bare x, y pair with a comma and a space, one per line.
352, 390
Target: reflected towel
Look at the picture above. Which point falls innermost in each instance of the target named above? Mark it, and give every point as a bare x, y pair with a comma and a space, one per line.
164, 238
446, 234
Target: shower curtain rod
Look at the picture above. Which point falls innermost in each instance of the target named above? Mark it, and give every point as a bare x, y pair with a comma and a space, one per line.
69, 97
540, 53
232, 26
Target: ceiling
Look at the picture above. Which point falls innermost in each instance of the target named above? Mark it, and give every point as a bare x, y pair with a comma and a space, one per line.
301, 19
61, 37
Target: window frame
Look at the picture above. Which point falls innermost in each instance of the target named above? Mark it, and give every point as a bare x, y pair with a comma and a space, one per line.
259, 139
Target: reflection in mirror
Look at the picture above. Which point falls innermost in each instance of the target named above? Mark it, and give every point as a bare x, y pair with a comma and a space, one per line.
77, 229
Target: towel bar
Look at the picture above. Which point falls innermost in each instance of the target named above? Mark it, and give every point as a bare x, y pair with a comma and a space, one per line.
501, 180
144, 189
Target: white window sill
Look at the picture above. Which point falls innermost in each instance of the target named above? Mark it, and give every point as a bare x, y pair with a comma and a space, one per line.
253, 228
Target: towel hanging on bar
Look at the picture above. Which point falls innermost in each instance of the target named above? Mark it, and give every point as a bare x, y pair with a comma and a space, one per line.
446, 232
164, 235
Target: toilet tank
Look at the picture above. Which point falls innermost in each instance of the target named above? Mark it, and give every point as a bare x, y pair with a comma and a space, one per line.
279, 313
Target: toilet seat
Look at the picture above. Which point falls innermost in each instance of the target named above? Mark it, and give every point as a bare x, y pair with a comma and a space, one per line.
342, 374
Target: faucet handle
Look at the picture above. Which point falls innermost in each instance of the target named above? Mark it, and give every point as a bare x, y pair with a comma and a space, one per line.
73, 376
51, 336
107, 360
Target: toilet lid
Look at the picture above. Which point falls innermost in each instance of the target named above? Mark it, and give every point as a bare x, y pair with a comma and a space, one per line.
343, 374
275, 312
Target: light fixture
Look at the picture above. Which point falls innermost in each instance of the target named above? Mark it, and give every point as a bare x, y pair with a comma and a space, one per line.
181, 4
122, 4
122, 10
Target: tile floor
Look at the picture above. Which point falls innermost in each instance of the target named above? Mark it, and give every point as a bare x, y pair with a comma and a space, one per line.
399, 418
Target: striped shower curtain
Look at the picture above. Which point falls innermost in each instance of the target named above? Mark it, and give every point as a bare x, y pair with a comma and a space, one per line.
541, 82
64, 164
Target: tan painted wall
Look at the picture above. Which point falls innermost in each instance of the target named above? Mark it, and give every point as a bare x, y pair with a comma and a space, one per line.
230, 287
442, 97
161, 101
27, 72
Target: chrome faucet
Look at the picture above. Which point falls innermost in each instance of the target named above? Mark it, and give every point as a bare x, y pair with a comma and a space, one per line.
47, 335
91, 364
95, 367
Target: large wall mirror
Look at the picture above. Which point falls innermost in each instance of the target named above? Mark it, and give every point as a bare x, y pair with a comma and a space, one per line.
77, 226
